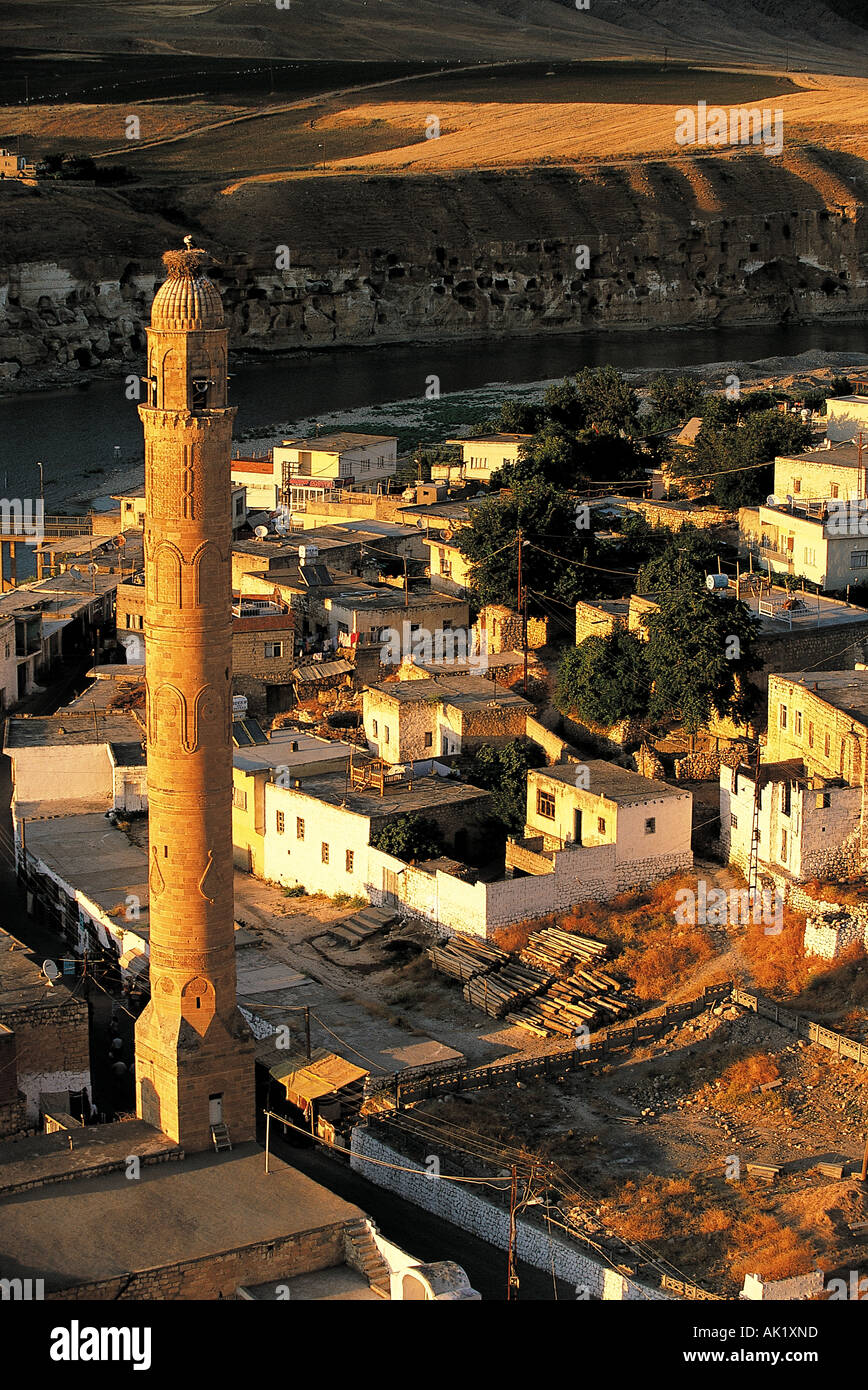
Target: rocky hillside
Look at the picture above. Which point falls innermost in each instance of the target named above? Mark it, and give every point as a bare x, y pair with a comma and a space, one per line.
443, 258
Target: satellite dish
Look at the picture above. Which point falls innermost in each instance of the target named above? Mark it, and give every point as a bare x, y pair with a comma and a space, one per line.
92, 568
773, 500
261, 532
50, 971
446, 535
420, 522
120, 542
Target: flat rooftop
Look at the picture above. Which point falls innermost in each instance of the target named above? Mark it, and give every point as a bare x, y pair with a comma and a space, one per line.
48, 1157
419, 794
22, 983
846, 691
101, 693
71, 728
463, 691
280, 752
102, 1227
615, 783
800, 612
493, 439
338, 442
95, 858
845, 455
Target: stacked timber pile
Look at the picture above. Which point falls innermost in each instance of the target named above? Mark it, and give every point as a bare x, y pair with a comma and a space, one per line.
505, 988
589, 999
557, 951
465, 957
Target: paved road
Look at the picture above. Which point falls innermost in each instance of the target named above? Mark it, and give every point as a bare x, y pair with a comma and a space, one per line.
417, 1231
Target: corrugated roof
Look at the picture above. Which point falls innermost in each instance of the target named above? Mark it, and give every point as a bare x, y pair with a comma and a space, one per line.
323, 1075
321, 671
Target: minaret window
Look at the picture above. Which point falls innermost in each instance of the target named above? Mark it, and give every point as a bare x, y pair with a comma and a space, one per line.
201, 387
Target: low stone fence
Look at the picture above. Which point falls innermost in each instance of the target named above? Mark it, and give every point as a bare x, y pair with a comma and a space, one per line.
705, 766
802, 1026
400, 1090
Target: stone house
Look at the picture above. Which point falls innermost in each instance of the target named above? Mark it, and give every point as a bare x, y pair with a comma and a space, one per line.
811, 781
50, 1034
483, 456
319, 833
364, 462
643, 825
289, 756
263, 656
808, 825
410, 720
836, 471
75, 760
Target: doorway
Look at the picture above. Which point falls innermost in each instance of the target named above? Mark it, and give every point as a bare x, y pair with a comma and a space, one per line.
215, 1109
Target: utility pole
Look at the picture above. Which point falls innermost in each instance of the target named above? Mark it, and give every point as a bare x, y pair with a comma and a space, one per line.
307, 1031
512, 1274
522, 607
406, 584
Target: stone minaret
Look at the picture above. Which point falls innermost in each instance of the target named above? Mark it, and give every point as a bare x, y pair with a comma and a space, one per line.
194, 1053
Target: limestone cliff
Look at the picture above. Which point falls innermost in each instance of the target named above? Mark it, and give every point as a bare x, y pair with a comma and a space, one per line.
652, 260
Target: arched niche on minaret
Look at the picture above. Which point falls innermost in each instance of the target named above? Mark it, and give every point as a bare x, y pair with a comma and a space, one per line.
209, 576
167, 576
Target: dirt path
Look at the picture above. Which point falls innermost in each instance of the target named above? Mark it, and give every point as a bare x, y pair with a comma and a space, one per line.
283, 109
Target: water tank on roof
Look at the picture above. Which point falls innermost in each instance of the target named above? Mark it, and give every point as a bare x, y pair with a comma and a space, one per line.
308, 554
716, 581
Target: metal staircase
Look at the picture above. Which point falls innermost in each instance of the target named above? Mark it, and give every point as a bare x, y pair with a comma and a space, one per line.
220, 1136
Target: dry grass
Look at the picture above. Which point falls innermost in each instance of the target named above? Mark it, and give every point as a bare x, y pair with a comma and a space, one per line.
711, 1229
655, 951
744, 1076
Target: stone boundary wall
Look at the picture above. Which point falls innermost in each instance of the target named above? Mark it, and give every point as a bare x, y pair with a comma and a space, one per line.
705, 766
460, 1205
98, 1170
552, 745
802, 1026
830, 938
219, 1275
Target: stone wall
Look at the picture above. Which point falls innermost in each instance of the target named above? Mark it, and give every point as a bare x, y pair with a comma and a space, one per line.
705, 766
504, 631
460, 1205
253, 672
219, 1276
53, 1048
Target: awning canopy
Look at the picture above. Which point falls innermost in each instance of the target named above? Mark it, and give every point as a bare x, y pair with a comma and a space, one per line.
306, 1080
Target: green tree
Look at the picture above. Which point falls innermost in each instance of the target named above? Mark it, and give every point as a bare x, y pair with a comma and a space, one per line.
675, 400
563, 404
409, 837
605, 679
682, 561
610, 404
502, 770
701, 647
738, 459
547, 518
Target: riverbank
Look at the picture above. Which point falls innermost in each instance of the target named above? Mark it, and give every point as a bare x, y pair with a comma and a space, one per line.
419, 420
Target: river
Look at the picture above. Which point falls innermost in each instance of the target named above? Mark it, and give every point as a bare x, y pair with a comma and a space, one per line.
83, 434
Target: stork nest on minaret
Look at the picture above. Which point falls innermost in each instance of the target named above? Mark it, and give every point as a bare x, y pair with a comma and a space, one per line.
188, 264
